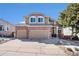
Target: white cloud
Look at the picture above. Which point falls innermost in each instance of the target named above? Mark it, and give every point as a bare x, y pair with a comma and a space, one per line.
22, 22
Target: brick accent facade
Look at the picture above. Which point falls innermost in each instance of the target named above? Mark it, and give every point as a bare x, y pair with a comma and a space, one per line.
37, 28
20, 27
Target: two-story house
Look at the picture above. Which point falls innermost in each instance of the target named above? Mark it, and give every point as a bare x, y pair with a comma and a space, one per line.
36, 26
6, 29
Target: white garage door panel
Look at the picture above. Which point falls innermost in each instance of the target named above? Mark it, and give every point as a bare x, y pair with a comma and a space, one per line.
21, 34
38, 34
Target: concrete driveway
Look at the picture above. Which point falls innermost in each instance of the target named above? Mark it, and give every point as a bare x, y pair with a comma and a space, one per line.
29, 48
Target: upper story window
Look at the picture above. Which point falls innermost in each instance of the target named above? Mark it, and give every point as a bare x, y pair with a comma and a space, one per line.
32, 19
41, 19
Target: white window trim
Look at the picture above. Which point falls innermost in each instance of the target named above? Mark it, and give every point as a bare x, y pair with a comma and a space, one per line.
43, 20
30, 20
5, 28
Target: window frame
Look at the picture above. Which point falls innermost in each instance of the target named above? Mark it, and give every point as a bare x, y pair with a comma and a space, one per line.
30, 19
43, 19
1, 28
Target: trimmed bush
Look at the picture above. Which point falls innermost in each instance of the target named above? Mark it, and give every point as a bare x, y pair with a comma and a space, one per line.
75, 38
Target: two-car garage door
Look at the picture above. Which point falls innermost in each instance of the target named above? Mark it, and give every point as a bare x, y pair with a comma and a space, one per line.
32, 33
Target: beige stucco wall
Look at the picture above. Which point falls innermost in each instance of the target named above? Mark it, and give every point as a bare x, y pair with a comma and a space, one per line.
26, 18
46, 20
45, 17
38, 34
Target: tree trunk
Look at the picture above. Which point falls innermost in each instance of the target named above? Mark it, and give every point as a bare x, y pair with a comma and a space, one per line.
72, 31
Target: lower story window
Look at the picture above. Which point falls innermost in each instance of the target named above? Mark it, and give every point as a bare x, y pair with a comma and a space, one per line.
0, 28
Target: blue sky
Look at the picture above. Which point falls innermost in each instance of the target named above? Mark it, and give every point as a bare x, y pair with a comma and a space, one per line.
14, 13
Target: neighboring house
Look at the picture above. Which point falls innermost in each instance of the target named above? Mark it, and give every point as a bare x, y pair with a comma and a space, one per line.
67, 31
36, 26
6, 29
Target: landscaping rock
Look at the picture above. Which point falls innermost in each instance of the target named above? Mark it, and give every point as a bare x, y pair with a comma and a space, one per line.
71, 50
77, 49
3, 40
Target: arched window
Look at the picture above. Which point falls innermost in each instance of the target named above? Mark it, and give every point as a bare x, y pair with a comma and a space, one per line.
32, 19
41, 19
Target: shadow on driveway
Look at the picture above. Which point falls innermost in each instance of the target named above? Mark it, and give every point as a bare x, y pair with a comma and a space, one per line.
55, 41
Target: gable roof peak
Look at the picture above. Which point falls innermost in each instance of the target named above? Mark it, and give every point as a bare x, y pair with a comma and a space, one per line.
37, 14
